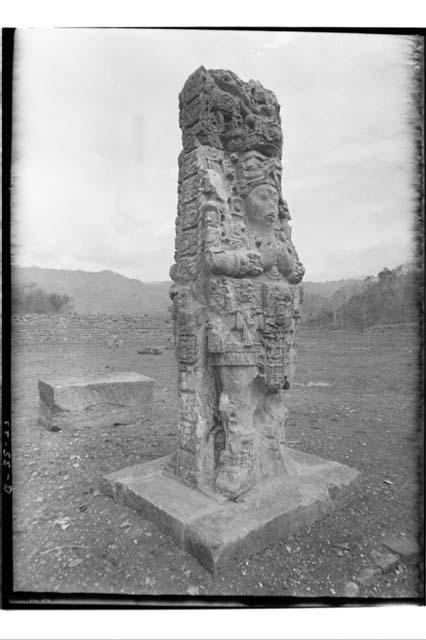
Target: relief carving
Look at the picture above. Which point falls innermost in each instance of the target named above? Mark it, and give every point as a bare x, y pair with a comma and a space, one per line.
236, 290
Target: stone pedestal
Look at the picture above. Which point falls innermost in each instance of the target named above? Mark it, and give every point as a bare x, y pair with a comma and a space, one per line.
219, 533
99, 400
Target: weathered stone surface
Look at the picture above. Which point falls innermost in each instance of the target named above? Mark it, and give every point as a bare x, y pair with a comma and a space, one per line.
236, 291
100, 399
386, 561
368, 576
218, 533
407, 548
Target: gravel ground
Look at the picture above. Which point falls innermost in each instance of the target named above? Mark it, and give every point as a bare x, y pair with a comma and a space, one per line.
354, 401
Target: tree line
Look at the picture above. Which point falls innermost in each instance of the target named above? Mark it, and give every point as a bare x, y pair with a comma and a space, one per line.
391, 297
29, 298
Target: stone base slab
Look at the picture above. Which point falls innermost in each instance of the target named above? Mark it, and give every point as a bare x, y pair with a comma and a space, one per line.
98, 400
218, 534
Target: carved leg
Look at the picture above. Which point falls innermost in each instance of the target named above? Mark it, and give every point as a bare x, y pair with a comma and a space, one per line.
270, 423
235, 474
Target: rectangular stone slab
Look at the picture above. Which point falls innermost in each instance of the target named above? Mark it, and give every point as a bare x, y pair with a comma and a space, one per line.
97, 400
218, 534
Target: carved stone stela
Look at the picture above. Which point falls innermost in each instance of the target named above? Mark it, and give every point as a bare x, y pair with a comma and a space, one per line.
232, 486
236, 294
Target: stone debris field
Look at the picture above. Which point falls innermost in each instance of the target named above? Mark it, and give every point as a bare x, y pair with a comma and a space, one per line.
353, 402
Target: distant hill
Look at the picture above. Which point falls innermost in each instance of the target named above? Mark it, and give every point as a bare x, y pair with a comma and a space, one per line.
389, 298
99, 292
327, 289
110, 292
320, 295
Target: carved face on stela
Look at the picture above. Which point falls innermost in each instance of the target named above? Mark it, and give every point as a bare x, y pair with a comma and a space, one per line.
261, 206
257, 188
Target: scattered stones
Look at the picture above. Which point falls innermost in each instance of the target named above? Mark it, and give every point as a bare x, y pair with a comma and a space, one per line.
63, 523
94, 328
405, 547
343, 545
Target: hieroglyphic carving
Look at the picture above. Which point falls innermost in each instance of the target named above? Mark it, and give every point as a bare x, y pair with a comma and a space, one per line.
236, 287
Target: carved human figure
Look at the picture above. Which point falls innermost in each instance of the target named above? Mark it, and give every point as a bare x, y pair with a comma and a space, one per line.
236, 286
251, 404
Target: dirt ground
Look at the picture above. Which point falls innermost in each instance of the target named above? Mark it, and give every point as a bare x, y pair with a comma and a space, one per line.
68, 538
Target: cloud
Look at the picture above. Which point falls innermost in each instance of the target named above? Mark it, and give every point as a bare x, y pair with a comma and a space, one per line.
96, 141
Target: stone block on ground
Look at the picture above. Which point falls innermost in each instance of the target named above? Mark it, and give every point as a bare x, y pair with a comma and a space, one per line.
98, 400
218, 533
405, 547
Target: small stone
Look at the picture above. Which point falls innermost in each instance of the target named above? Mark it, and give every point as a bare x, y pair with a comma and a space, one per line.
75, 563
351, 590
62, 522
124, 525
387, 481
76, 465
343, 545
193, 590
405, 547
368, 576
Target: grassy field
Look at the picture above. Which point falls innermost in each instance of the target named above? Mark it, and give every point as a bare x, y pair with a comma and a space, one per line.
364, 414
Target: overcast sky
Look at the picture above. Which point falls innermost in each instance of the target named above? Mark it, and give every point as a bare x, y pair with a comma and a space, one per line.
96, 140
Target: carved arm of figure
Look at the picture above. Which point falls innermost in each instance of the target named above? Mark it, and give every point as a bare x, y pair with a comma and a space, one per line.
288, 262
235, 263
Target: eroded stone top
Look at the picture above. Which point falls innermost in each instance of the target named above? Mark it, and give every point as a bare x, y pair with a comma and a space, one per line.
220, 110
